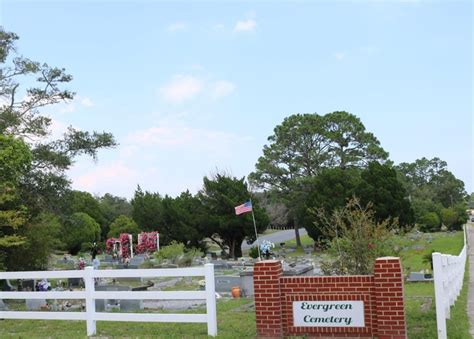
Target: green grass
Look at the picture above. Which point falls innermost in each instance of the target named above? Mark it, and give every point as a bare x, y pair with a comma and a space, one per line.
419, 297
234, 320
412, 259
305, 241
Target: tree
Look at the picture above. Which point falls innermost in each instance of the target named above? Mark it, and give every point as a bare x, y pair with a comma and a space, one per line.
431, 188
147, 209
112, 206
78, 201
328, 191
381, 187
123, 224
430, 222
15, 161
219, 196
79, 229
42, 235
357, 239
22, 115
430, 179
351, 145
304, 144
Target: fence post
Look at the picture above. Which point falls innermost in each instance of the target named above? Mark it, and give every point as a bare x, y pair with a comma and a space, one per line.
90, 302
439, 295
210, 300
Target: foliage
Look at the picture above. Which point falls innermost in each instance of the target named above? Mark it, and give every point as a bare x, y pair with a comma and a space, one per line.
123, 224
302, 147
41, 235
79, 228
253, 252
33, 165
304, 144
147, 208
112, 207
430, 222
15, 161
454, 217
171, 252
189, 255
77, 201
430, 179
357, 239
219, 196
327, 191
381, 187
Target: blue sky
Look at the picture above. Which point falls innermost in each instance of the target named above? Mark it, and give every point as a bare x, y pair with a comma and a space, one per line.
191, 88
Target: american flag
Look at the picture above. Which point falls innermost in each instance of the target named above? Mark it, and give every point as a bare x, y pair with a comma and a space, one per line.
244, 208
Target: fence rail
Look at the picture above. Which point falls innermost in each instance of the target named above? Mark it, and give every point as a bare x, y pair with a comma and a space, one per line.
90, 295
448, 274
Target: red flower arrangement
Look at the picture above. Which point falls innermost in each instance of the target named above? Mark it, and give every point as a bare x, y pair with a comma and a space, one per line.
109, 245
147, 242
125, 241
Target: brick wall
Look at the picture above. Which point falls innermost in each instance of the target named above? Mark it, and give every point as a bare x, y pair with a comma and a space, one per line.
382, 294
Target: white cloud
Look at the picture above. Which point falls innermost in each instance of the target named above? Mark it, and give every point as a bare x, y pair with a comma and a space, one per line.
222, 88
339, 55
178, 26
172, 135
245, 25
86, 102
181, 88
111, 173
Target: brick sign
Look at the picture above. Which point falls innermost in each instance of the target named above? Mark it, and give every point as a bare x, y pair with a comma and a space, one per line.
334, 313
351, 306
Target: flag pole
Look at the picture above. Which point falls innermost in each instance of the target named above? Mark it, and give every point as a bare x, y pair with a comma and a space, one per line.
256, 235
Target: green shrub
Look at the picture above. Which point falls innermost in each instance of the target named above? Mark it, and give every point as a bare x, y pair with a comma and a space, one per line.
357, 239
430, 222
189, 255
172, 252
253, 252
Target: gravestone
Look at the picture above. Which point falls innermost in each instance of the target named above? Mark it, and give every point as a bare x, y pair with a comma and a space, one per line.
419, 276
123, 305
74, 282
35, 304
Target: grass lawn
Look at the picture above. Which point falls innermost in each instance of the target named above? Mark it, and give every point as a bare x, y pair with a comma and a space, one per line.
419, 297
236, 319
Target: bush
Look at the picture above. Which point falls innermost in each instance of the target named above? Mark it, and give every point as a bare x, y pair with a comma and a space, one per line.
189, 255
430, 222
357, 239
253, 252
172, 252
80, 228
123, 224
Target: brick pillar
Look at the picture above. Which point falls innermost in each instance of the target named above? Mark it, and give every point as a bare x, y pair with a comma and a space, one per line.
388, 280
266, 283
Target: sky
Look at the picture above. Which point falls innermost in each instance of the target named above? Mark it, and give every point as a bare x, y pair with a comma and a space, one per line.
192, 88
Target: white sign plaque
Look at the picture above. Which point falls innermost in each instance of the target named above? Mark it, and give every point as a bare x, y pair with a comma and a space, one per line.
328, 313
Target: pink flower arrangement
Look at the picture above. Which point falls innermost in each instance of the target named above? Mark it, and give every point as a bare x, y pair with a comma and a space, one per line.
147, 242
109, 245
125, 241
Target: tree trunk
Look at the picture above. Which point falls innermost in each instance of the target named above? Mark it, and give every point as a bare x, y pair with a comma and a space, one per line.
297, 232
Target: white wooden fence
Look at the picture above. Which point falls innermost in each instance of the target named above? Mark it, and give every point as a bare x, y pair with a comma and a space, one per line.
89, 294
448, 274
